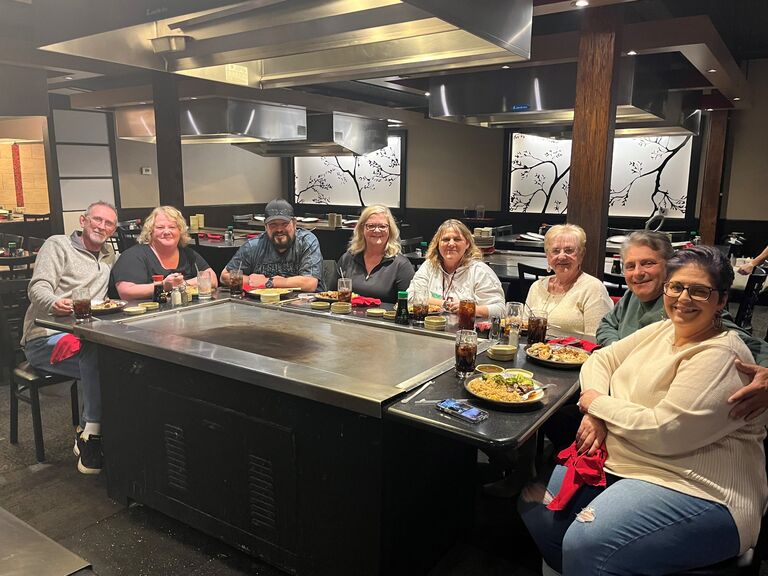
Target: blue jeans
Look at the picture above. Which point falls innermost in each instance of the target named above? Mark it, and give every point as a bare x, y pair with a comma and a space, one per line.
631, 527
83, 366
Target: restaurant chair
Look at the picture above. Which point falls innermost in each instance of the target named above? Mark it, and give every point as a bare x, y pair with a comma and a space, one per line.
616, 284
523, 272
34, 244
755, 284
12, 238
127, 234
330, 274
17, 266
408, 245
37, 217
25, 381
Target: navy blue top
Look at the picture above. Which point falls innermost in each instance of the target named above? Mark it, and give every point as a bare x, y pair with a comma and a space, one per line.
259, 256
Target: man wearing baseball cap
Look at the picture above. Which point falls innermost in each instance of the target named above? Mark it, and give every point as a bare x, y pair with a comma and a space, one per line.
284, 257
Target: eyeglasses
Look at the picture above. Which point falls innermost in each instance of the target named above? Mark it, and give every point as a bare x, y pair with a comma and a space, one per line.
695, 291
372, 227
568, 251
99, 221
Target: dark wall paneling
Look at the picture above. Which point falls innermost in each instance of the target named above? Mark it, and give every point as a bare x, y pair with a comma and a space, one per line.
713, 175
593, 129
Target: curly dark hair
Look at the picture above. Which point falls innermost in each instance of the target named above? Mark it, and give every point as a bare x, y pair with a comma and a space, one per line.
710, 259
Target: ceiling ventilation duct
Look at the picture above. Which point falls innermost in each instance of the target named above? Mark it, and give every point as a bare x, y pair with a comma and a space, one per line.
543, 98
330, 135
218, 121
285, 43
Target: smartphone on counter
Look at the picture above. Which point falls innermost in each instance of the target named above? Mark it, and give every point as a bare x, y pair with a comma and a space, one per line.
462, 410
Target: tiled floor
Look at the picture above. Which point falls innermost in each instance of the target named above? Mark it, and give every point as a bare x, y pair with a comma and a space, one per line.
75, 511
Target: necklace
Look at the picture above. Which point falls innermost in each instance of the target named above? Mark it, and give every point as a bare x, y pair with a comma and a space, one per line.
447, 290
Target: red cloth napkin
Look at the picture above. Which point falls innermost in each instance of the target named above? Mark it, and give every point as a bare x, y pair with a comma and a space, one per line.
215, 236
585, 345
364, 301
66, 347
254, 235
582, 469
482, 326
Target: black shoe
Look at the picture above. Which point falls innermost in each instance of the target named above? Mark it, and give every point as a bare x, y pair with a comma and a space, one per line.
90, 461
76, 448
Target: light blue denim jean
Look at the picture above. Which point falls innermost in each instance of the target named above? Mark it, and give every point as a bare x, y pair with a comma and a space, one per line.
631, 527
83, 366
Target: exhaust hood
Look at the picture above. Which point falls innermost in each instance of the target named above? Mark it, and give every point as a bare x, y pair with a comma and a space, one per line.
330, 135
286, 43
218, 121
543, 98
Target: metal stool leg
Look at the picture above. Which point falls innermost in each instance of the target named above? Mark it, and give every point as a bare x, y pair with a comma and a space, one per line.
75, 404
37, 422
14, 410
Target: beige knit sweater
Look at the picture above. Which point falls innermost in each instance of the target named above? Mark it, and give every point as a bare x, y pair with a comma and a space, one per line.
668, 423
579, 310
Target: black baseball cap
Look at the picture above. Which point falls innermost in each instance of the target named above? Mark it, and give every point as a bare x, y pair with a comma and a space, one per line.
278, 209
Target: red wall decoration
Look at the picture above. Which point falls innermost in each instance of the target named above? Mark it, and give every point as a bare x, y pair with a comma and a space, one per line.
17, 175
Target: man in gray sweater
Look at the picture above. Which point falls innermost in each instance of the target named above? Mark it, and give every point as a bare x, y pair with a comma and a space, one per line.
82, 260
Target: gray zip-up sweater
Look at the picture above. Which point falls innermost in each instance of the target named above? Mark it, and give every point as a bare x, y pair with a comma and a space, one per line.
62, 265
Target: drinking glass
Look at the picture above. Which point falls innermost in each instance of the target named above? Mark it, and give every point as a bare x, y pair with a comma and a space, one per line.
537, 326
81, 304
420, 301
467, 314
466, 352
236, 283
344, 287
513, 322
204, 289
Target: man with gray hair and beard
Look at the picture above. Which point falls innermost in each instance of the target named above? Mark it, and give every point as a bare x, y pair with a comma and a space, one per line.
283, 257
64, 263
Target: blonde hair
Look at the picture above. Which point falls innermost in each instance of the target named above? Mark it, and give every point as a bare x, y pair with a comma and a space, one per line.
357, 242
169, 212
566, 230
472, 253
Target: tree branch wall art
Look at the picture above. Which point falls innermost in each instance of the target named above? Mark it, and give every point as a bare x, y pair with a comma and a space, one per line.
648, 175
351, 180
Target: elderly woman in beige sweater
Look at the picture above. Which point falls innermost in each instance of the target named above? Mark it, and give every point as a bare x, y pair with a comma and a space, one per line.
573, 300
686, 484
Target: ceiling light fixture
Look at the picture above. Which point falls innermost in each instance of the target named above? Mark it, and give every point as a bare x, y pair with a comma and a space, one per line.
426, 93
736, 98
632, 53
712, 70
68, 78
581, 3
505, 67
710, 109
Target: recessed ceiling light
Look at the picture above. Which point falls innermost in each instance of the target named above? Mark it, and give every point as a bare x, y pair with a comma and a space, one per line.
736, 98
68, 78
581, 3
426, 93
710, 109
632, 53
712, 70
505, 67
193, 98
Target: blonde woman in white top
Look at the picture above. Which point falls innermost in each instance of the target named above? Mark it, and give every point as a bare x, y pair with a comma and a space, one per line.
454, 269
574, 300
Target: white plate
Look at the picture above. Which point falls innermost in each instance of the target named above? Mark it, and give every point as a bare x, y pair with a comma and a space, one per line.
348, 222
309, 219
617, 239
259, 218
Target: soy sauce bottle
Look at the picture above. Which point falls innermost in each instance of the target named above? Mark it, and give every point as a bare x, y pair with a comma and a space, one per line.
401, 315
616, 266
157, 281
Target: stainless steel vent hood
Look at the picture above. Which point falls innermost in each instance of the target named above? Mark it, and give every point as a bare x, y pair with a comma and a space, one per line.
285, 43
330, 135
544, 96
218, 120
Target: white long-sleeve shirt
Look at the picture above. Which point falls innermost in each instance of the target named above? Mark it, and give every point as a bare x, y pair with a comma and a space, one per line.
668, 423
475, 280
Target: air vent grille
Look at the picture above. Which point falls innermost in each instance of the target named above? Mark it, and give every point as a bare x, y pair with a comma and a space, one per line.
261, 490
176, 458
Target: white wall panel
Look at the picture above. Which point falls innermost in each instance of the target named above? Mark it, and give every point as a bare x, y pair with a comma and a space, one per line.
83, 161
79, 126
78, 194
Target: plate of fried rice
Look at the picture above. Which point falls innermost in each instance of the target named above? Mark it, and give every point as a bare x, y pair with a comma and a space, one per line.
510, 388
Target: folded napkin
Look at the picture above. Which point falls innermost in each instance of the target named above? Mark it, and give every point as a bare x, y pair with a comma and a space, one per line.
215, 236
252, 235
582, 469
483, 326
585, 345
66, 347
364, 301
247, 287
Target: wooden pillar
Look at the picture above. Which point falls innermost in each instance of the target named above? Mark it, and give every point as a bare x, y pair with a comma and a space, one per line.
713, 176
593, 129
168, 139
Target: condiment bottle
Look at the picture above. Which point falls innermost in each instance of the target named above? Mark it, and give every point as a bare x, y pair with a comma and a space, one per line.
184, 294
175, 297
157, 281
401, 315
616, 266
229, 236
